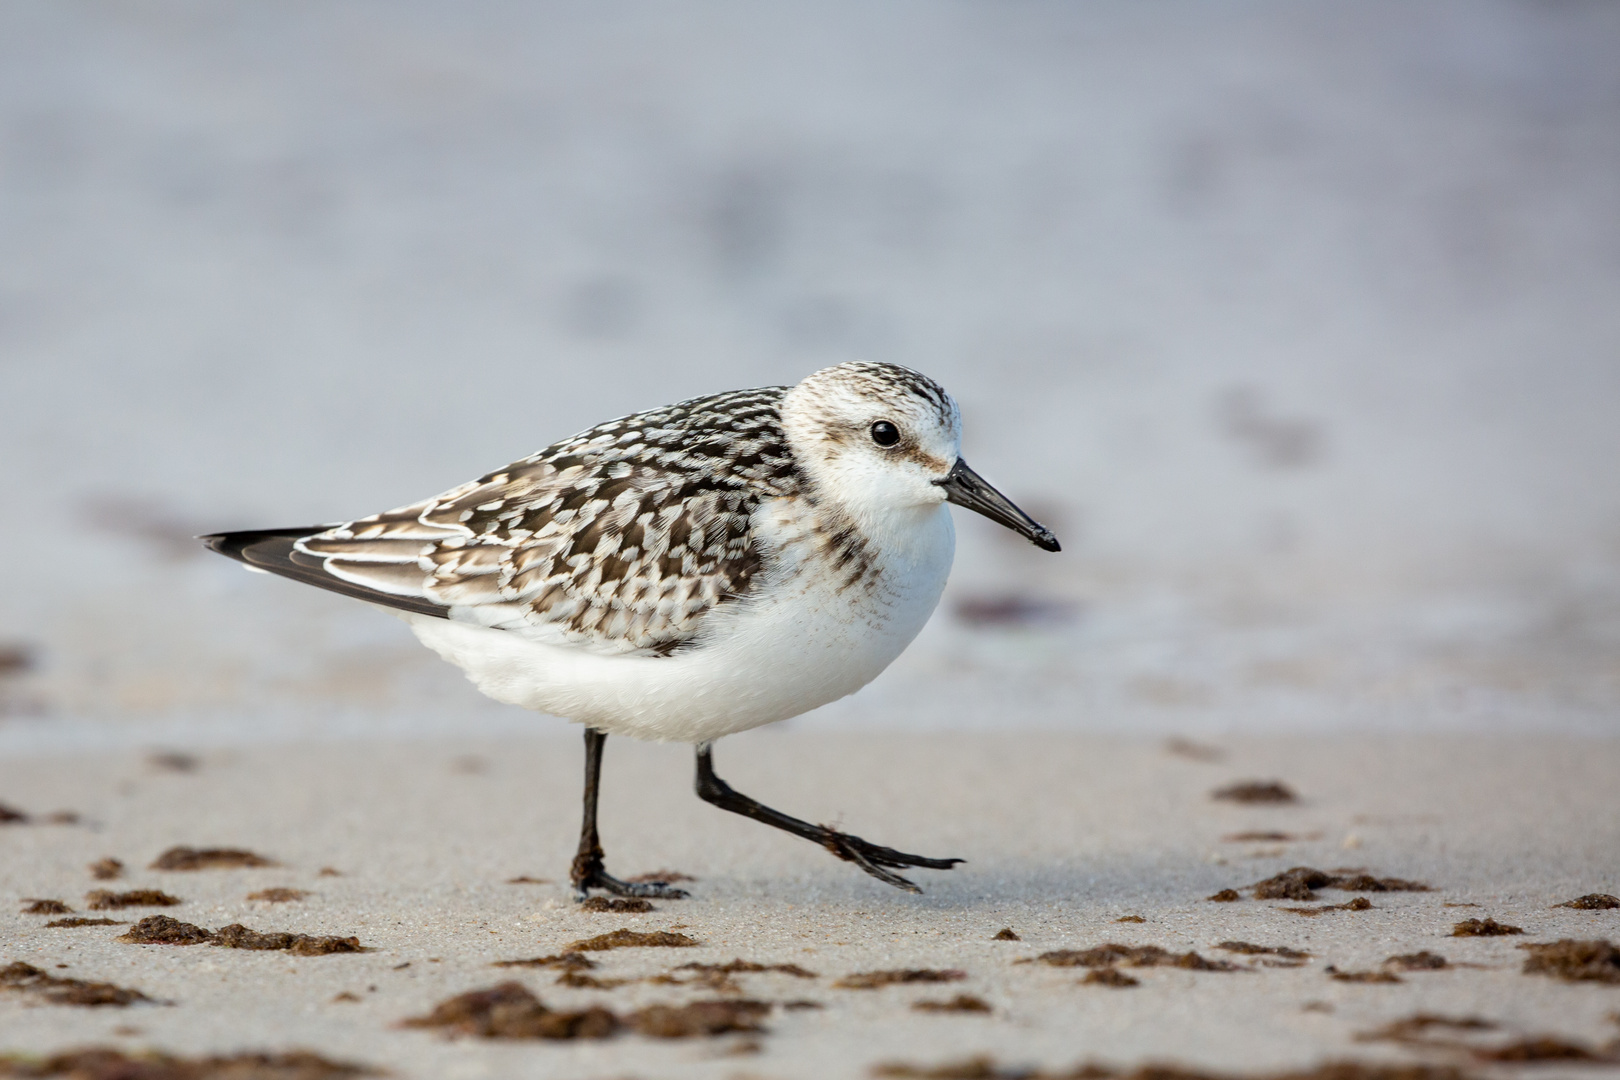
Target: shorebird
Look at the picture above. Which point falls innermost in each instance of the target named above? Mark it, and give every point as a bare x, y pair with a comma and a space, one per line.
682, 574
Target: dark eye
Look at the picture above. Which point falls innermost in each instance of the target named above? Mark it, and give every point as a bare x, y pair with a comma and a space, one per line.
885, 433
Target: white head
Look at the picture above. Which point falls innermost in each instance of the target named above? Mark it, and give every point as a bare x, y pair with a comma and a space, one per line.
884, 443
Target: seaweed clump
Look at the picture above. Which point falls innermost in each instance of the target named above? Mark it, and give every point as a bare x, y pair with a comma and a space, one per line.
986, 1068
1112, 955
699, 1018
1574, 961
1112, 977
79, 920
162, 930
278, 895
630, 906
107, 900
237, 936
1301, 883
871, 980
1256, 791
1483, 928
106, 869
1592, 902
26, 979
568, 961
1360, 903
1272, 955
718, 976
45, 907
961, 1003
103, 1063
186, 858
631, 939
509, 1011
1362, 976
1418, 961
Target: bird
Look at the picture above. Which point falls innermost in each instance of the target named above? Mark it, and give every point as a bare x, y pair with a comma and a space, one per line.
682, 574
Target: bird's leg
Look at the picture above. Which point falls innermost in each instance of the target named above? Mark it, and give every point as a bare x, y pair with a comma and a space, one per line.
867, 856
587, 872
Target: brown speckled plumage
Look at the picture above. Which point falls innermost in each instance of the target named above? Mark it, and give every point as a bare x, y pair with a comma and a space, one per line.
622, 536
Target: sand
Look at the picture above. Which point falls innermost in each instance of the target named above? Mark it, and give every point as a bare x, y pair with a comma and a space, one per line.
1064, 835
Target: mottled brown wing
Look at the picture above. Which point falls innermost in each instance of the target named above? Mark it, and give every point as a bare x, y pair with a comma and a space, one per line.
620, 539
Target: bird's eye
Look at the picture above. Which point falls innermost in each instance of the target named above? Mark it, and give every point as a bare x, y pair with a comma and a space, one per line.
885, 433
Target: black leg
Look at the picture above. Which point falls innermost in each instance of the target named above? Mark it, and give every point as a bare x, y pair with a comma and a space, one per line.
587, 872
869, 857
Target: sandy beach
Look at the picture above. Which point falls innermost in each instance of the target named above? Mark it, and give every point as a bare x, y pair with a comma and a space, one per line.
1065, 836
1296, 322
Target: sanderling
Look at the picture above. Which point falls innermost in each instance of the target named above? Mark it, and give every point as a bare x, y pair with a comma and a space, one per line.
682, 574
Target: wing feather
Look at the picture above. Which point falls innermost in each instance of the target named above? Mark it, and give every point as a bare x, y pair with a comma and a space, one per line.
620, 539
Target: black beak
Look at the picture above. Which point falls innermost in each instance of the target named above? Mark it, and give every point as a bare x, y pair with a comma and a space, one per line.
964, 487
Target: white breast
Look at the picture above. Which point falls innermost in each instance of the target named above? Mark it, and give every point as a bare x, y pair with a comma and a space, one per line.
795, 643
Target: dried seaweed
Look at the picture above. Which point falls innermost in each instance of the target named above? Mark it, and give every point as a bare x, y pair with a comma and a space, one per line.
26, 979
569, 961
699, 1018
631, 939
1109, 977
1545, 1048
1257, 791
1418, 961
106, 869
1574, 961
1592, 902
509, 1011
278, 895
589, 982
747, 967
1483, 928
106, 900
626, 906
871, 980
1360, 903
45, 907
1362, 976
1417, 1027
59, 924
102, 1063
1300, 883
162, 930
1246, 949
185, 858
961, 1003
173, 761
1111, 954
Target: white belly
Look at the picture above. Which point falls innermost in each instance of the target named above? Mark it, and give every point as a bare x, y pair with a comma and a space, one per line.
795, 643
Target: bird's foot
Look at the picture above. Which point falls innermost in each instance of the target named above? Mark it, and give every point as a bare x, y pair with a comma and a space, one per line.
873, 858
597, 878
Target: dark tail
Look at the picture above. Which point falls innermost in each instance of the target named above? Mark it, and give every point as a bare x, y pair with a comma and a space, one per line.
272, 550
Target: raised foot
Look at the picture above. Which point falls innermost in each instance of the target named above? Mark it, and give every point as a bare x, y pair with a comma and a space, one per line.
874, 857
648, 890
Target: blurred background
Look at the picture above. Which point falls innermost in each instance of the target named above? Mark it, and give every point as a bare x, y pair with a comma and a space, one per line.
1299, 323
